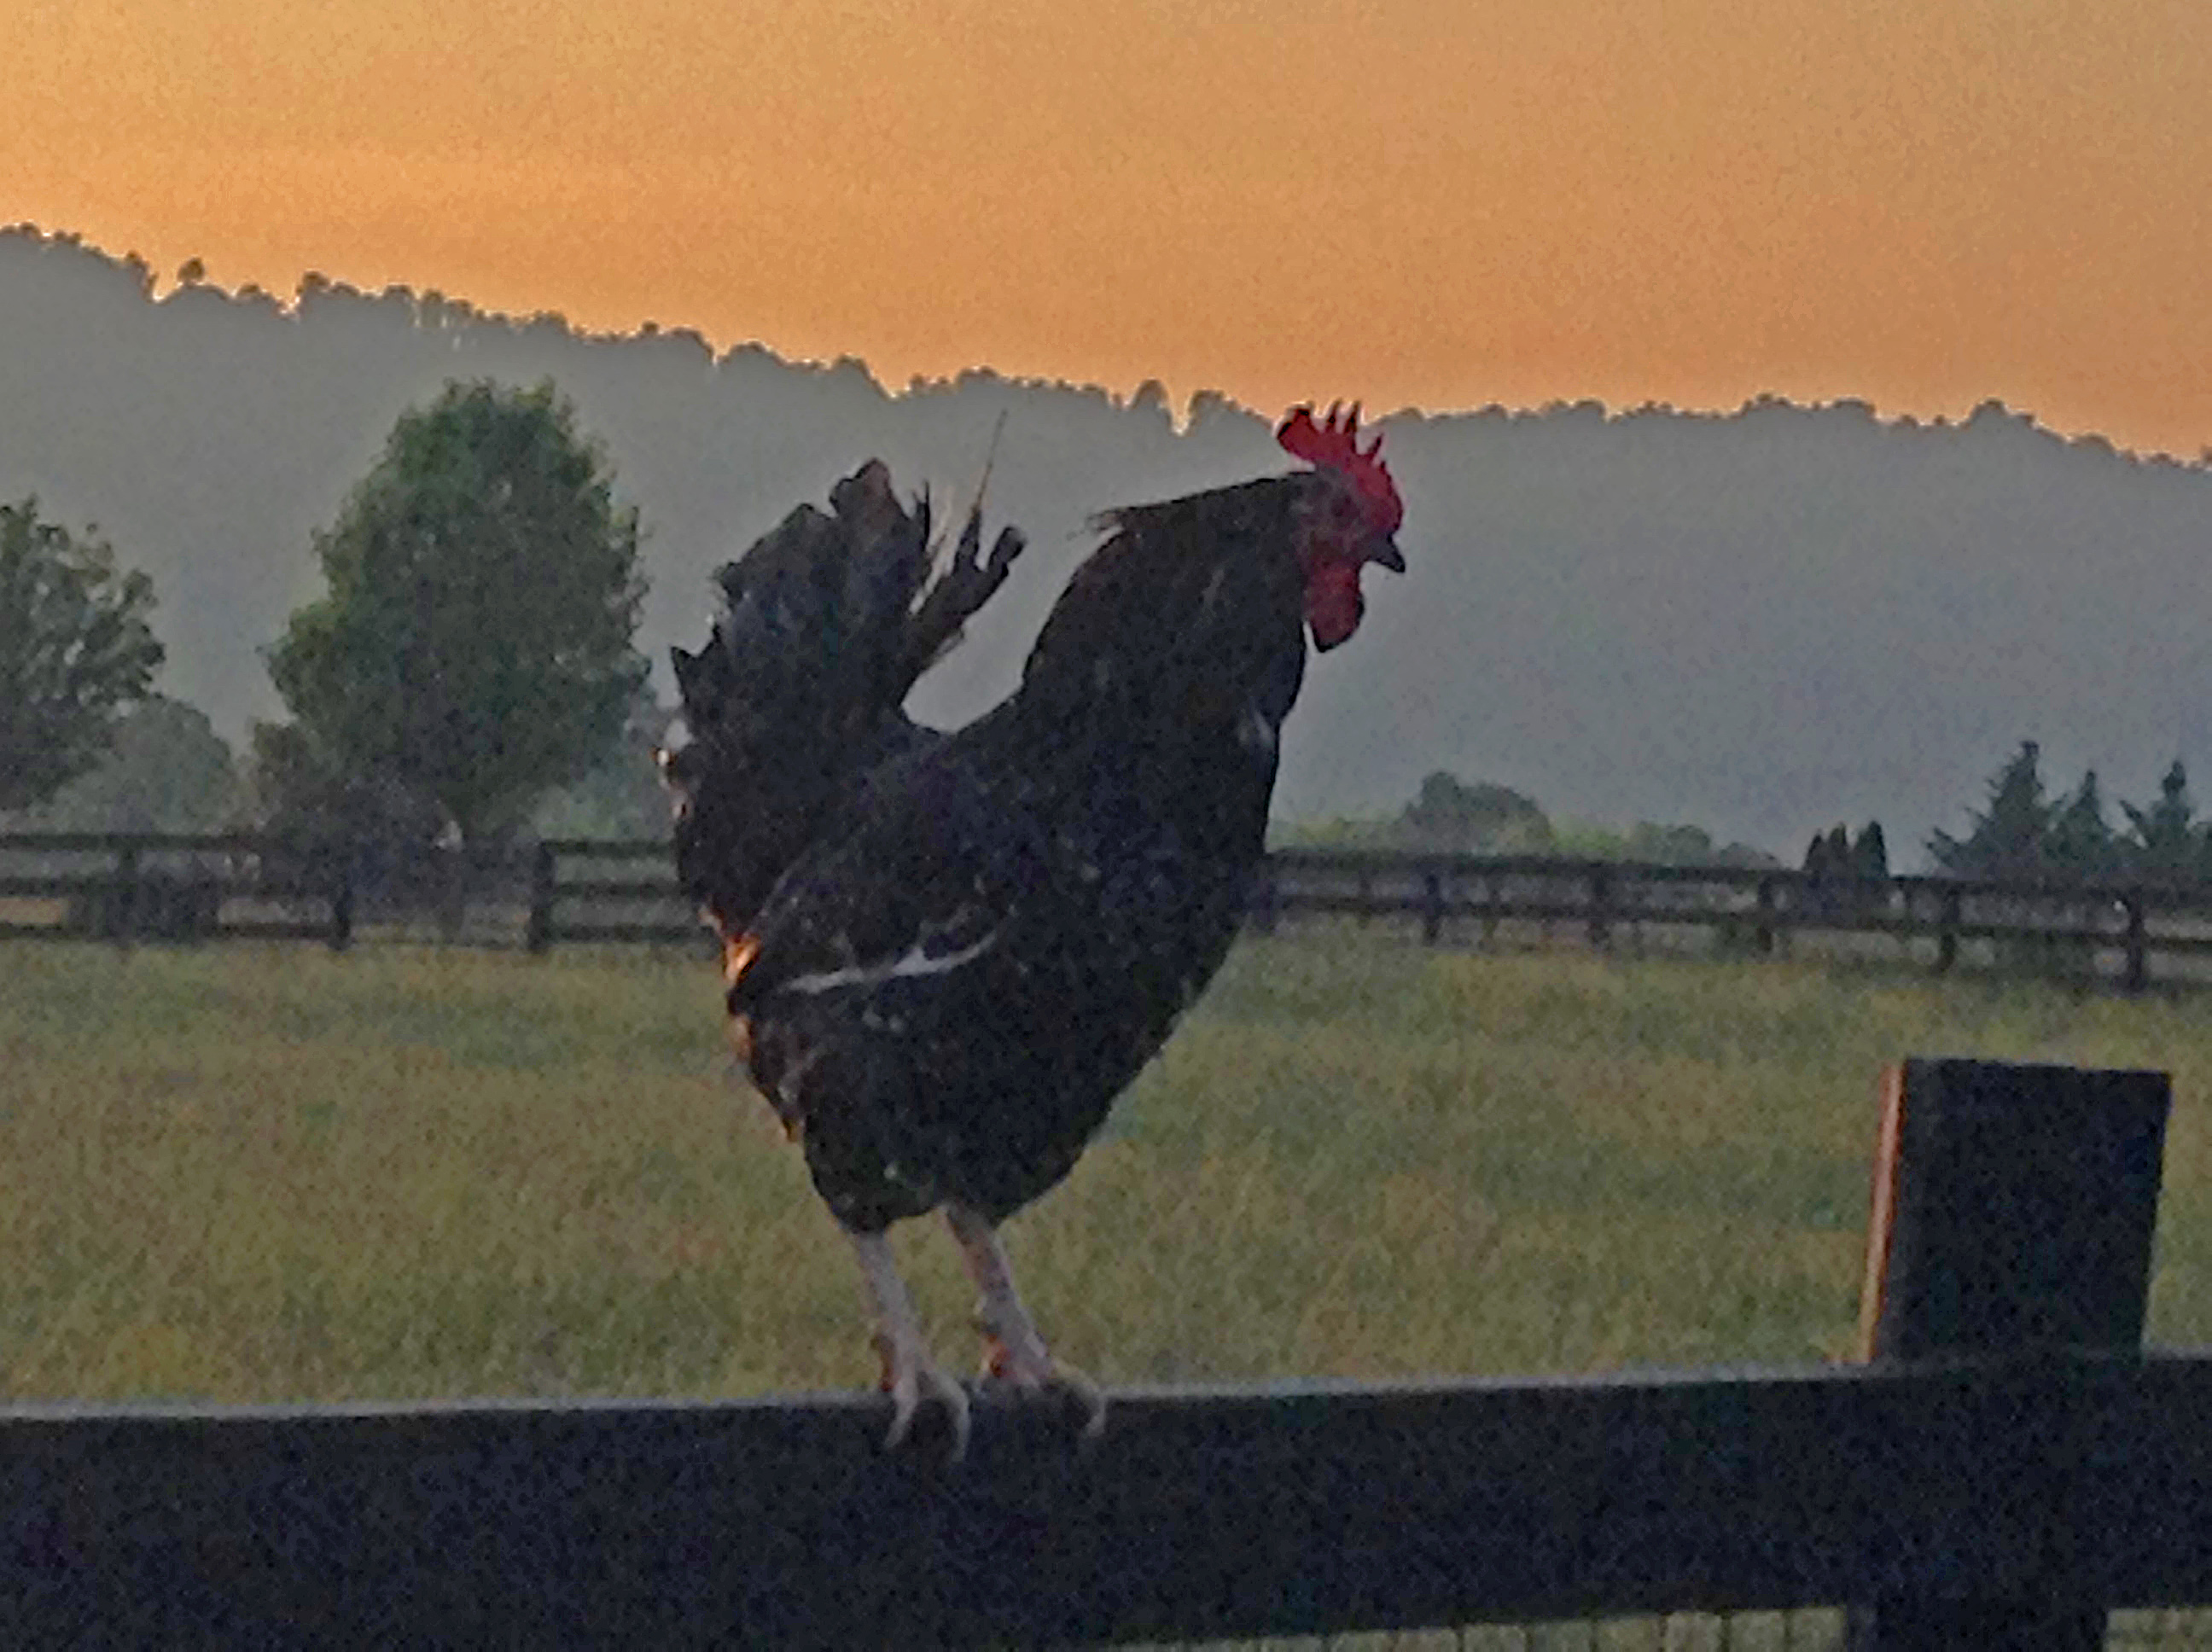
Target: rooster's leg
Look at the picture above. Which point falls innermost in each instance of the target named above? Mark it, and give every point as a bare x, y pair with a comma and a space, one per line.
1014, 1351
911, 1373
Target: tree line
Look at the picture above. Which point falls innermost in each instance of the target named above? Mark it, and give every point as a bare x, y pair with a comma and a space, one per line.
2024, 832
1451, 816
470, 675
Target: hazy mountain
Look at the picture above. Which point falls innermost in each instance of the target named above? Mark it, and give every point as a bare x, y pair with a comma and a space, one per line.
1763, 623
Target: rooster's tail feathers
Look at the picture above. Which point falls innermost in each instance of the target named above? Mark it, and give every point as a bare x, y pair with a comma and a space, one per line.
827, 621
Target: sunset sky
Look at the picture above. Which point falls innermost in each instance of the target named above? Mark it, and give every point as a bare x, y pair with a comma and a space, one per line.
1442, 202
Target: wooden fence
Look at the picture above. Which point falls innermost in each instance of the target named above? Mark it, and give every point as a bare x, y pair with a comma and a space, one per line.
2007, 1467
150, 887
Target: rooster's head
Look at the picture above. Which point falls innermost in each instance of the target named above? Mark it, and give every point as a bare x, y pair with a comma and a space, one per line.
1349, 518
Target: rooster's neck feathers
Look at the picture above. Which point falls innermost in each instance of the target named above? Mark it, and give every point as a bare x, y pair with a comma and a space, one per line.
1190, 603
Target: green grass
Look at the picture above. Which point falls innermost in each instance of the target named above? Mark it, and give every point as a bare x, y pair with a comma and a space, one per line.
254, 1174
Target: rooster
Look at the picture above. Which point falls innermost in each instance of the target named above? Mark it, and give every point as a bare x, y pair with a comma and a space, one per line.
945, 955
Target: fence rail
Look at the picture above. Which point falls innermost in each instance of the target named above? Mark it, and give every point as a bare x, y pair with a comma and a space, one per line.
178, 887
1285, 1510
2008, 1468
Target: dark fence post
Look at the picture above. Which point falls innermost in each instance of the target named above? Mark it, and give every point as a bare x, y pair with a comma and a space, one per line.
1433, 906
123, 907
1947, 933
541, 898
2138, 966
1493, 892
1763, 937
1364, 888
1263, 903
2012, 1212
1601, 907
341, 936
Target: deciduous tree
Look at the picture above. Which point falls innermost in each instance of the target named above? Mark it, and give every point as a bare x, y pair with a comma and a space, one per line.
76, 652
475, 645
168, 771
623, 796
1451, 814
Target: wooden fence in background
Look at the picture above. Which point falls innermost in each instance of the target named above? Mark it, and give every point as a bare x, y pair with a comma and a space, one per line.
126, 887
2006, 1467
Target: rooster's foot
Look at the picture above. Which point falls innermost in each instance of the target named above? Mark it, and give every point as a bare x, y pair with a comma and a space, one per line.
911, 1377
1023, 1370
911, 1374
1015, 1357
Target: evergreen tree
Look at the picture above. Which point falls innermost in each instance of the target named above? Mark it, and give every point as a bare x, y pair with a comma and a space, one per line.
2166, 843
1816, 854
2009, 837
2079, 843
1870, 854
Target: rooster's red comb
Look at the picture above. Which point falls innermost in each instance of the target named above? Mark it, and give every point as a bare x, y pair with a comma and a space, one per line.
1334, 442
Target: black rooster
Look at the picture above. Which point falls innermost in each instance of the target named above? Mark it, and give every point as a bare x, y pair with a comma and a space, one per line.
947, 955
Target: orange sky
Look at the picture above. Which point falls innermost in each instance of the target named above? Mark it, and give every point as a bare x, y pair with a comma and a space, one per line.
1922, 202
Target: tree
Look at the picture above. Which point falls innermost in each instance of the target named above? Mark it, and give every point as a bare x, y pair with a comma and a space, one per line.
75, 650
475, 645
2023, 835
1838, 850
1668, 846
2167, 842
168, 771
324, 821
2080, 843
1818, 854
1871, 854
1841, 868
2009, 837
624, 796
1449, 814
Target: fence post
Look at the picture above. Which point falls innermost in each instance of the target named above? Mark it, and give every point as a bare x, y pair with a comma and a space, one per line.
1263, 903
1947, 932
2138, 967
1433, 906
1363, 888
2012, 1211
1763, 937
1601, 907
541, 898
1493, 891
341, 936
123, 906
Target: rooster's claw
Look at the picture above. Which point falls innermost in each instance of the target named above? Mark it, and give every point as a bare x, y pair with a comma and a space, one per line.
1028, 1381
909, 1381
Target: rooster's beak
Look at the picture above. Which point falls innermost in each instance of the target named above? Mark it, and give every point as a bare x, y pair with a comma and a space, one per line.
1385, 551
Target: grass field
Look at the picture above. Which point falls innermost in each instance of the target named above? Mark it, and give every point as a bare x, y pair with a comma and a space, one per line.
250, 1173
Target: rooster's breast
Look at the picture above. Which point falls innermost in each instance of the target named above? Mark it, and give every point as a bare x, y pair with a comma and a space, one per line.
948, 1007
